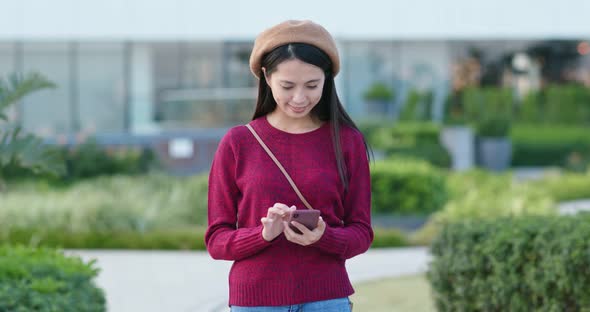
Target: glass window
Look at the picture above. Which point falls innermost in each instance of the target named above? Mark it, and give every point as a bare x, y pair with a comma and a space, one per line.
47, 112
166, 64
237, 65
7, 65
205, 84
101, 83
365, 63
202, 65
239, 80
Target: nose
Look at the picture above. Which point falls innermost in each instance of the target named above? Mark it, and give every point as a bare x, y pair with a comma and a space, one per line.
298, 97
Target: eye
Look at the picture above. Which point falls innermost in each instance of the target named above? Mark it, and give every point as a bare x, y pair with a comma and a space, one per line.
312, 87
287, 88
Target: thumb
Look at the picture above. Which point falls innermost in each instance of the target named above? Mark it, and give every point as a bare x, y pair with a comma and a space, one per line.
321, 223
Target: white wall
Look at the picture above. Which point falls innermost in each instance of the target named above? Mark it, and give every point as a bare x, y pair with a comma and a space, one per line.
235, 19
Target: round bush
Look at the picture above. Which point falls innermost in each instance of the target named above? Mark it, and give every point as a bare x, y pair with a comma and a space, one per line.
40, 279
512, 264
407, 187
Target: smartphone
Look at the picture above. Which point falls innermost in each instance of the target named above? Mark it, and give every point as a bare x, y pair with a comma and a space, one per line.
309, 218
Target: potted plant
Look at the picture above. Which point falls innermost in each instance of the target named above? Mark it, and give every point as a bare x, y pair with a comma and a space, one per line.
495, 147
457, 136
378, 98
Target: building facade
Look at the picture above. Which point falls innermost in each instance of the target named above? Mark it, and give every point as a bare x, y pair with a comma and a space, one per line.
180, 68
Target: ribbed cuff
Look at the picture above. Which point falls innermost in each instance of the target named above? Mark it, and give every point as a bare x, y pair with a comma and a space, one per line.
251, 242
333, 241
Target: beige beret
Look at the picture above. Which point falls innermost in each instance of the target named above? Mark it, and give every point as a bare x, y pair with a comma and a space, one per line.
293, 31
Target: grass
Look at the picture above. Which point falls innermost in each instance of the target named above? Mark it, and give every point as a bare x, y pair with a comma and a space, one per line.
408, 293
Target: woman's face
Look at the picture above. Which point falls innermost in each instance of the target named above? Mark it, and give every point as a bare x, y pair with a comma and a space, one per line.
296, 87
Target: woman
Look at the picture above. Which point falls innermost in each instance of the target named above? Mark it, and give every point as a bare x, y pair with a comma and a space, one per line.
300, 118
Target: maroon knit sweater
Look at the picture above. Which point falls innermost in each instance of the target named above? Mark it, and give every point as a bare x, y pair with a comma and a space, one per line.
244, 182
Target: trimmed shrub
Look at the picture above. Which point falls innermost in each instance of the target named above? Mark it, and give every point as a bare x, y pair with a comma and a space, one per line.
107, 204
173, 239
566, 104
39, 279
565, 187
387, 238
512, 264
549, 145
407, 187
486, 102
89, 160
169, 239
419, 140
478, 194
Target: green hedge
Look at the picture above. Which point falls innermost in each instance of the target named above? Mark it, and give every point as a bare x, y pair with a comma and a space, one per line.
550, 145
89, 160
560, 104
418, 140
107, 204
119, 212
172, 239
175, 239
521, 264
407, 187
38, 279
555, 104
387, 238
570, 186
478, 194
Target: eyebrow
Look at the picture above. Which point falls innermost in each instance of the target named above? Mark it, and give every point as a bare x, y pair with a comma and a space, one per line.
289, 82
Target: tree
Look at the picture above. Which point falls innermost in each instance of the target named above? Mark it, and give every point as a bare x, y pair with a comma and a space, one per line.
16, 147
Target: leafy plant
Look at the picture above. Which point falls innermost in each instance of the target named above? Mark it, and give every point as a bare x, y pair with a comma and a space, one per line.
494, 127
418, 106
378, 92
16, 147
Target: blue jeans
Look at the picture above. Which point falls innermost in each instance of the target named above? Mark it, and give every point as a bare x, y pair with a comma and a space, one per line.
332, 305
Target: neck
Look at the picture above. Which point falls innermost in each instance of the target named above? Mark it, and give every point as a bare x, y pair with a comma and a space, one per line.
299, 125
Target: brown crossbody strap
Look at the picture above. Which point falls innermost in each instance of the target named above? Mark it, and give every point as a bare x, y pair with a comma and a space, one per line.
272, 156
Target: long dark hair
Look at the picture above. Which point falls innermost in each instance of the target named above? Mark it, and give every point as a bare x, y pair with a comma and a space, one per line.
329, 107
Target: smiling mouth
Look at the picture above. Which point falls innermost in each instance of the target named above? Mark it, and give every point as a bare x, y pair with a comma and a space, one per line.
298, 108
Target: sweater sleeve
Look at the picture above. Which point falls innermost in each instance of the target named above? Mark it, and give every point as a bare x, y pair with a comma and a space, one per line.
356, 234
222, 238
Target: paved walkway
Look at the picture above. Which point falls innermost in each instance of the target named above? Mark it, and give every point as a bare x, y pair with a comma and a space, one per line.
574, 206
189, 281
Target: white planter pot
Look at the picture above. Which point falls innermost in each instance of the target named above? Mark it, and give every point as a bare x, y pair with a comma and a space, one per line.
459, 142
495, 153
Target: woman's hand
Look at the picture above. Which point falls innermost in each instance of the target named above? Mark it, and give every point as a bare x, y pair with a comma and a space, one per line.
273, 223
307, 237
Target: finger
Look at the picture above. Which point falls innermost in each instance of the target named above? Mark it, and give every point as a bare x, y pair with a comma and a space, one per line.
281, 206
299, 239
321, 225
289, 233
273, 212
266, 221
304, 230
